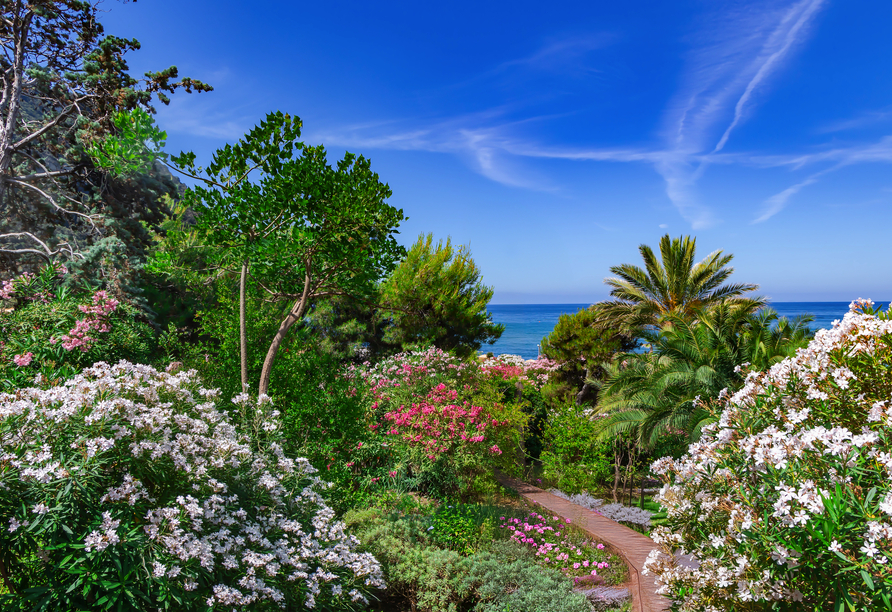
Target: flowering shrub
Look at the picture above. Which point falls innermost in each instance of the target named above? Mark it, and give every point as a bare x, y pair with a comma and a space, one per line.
444, 420
129, 487
615, 512
48, 331
438, 425
786, 502
528, 371
96, 321
558, 546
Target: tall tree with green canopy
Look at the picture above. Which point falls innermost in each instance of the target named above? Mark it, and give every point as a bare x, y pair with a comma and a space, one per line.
581, 343
436, 295
672, 284
272, 207
64, 84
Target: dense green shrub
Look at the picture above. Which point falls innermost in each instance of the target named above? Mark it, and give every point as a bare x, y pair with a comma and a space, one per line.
498, 584
323, 411
574, 461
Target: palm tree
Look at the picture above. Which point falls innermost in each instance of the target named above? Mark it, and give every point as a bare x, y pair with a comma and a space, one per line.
672, 285
693, 359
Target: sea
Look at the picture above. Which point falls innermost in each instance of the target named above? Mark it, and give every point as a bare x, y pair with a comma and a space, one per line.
527, 324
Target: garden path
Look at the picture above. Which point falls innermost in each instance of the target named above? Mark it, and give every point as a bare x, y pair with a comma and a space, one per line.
632, 546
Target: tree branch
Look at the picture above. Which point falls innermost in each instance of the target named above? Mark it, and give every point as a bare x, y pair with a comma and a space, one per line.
89, 218
62, 247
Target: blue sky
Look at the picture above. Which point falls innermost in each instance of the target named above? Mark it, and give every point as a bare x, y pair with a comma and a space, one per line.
554, 138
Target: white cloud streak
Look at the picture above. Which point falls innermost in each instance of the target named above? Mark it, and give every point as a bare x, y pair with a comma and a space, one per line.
777, 46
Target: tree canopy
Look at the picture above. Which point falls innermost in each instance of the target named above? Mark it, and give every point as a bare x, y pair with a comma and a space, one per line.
672, 285
64, 82
436, 295
305, 230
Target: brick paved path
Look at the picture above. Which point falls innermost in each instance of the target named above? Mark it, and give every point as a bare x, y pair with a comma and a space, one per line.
631, 545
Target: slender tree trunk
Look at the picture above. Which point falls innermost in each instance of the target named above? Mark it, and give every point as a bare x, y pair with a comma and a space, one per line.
617, 460
243, 327
585, 387
641, 496
294, 315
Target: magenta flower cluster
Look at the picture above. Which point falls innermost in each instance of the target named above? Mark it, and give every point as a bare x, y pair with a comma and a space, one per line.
554, 546
439, 424
95, 321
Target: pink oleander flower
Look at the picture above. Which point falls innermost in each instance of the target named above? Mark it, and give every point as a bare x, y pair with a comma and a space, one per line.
7, 290
23, 360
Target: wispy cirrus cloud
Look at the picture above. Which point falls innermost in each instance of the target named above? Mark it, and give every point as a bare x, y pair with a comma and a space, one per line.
733, 57
734, 53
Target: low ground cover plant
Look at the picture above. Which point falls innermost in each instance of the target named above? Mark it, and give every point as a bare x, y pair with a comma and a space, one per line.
632, 516
457, 557
558, 545
785, 502
129, 487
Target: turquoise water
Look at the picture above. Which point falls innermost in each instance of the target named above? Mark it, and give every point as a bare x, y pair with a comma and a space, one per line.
527, 324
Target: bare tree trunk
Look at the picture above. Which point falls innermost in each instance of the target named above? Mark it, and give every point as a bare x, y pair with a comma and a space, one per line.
641, 493
294, 315
581, 395
617, 460
243, 327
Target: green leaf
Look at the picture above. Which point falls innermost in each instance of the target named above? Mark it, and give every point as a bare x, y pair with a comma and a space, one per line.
868, 580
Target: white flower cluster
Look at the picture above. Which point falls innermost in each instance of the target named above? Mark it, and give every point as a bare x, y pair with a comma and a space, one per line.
208, 503
535, 371
615, 512
751, 497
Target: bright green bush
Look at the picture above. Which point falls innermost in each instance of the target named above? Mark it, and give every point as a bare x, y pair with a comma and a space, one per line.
573, 459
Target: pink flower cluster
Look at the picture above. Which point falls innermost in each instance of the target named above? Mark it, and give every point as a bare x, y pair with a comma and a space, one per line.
23, 360
439, 425
553, 544
532, 371
95, 321
7, 290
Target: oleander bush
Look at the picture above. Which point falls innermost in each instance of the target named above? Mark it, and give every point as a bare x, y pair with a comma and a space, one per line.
48, 330
130, 488
446, 422
785, 503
